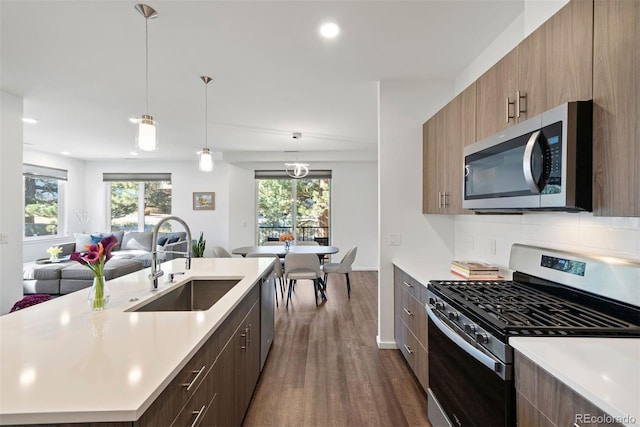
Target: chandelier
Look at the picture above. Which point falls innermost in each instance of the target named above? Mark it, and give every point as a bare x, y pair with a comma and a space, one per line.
296, 170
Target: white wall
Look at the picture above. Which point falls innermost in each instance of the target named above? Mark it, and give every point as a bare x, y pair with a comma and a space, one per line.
403, 106
354, 206
185, 179
10, 200
73, 196
570, 231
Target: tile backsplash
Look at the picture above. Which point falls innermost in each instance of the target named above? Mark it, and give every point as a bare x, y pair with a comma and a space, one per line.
489, 237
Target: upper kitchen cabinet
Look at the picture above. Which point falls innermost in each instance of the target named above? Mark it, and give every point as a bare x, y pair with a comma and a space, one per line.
444, 137
550, 67
616, 115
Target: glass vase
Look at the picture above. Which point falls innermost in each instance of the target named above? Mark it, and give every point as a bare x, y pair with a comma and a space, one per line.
287, 245
99, 294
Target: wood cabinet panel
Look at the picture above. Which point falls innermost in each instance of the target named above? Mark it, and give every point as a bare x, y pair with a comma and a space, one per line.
569, 54
616, 90
544, 400
532, 77
493, 88
444, 136
411, 324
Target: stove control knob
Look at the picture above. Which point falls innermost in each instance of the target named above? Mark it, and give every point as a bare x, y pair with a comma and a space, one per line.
469, 328
439, 305
482, 338
453, 315
432, 301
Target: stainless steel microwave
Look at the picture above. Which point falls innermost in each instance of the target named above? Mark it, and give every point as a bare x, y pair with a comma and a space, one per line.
543, 163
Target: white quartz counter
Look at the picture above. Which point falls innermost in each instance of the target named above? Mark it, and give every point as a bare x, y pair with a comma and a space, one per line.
605, 371
425, 271
59, 362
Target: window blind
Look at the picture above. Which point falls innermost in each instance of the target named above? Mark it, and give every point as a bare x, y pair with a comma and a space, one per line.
138, 177
280, 174
35, 171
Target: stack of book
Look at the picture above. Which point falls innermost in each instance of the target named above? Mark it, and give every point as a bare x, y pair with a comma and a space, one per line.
475, 270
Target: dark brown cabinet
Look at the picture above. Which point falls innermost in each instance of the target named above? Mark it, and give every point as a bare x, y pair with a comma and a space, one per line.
216, 385
411, 324
444, 137
616, 124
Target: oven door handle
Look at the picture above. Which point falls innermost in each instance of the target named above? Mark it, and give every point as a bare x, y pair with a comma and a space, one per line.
487, 361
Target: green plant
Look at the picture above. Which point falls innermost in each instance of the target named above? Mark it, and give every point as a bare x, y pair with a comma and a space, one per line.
198, 246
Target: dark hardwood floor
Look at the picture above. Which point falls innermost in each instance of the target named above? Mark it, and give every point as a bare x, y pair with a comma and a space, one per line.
325, 369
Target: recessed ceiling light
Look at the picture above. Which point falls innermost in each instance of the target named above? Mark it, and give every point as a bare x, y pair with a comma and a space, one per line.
134, 120
65, 153
329, 30
29, 120
133, 153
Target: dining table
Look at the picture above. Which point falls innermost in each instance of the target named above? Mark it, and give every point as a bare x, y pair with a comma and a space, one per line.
281, 250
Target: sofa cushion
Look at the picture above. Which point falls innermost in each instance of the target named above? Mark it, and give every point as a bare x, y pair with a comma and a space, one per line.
33, 271
137, 240
41, 286
112, 269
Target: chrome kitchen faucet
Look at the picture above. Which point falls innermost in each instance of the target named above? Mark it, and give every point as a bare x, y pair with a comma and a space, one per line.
155, 271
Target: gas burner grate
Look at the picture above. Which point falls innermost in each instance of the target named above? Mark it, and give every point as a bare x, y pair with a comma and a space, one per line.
514, 307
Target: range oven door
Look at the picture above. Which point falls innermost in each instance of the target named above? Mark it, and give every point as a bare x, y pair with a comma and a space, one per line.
467, 387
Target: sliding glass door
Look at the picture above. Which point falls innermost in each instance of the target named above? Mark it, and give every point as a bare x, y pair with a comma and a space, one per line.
297, 206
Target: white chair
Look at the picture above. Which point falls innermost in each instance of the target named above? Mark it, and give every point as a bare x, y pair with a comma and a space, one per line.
343, 267
220, 252
277, 270
307, 243
272, 243
301, 267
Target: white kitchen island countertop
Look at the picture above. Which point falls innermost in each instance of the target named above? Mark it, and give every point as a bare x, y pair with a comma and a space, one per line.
60, 362
605, 371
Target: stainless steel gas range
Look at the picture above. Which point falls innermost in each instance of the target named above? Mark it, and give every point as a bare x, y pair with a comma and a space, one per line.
553, 293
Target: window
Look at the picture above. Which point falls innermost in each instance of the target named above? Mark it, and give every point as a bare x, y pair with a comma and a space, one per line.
297, 206
138, 201
43, 200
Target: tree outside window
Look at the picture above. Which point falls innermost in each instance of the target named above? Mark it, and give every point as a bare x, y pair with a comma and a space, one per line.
139, 206
41, 199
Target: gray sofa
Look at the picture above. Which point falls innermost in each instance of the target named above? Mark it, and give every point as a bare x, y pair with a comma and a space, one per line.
132, 253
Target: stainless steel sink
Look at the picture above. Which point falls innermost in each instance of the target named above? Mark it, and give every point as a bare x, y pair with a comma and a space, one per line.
195, 295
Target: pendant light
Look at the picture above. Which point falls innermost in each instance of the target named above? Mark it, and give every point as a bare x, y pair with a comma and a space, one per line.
147, 136
205, 159
296, 170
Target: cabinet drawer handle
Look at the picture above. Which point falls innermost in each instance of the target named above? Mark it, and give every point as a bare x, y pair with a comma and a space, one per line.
408, 349
445, 197
506, 106
408, 285
248, 332
408, 312
244, 346
198, 415
195, 379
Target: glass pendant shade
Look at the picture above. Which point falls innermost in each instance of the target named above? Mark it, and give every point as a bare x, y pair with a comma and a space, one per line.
147, 137
205, 160
297, 170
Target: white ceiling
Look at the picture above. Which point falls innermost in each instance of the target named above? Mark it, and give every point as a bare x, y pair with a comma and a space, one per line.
79, 65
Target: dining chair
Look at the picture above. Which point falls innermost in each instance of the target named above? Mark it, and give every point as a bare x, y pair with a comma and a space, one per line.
220, 252
301, 267
277, 270
307, 243
272, 243
342, 267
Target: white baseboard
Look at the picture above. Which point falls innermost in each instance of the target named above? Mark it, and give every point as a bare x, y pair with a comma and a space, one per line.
386, 345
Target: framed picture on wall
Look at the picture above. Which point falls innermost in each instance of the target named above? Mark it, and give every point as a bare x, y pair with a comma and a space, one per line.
204, 201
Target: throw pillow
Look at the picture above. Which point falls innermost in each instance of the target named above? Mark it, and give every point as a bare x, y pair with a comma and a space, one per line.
162, 240
173, 239
95, 238
137, 240
82, 241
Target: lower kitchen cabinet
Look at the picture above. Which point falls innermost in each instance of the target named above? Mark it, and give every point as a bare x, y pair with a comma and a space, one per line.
411, 324
543, 400
216, 385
